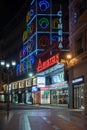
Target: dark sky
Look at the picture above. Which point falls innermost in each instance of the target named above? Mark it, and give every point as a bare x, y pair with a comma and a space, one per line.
8, 9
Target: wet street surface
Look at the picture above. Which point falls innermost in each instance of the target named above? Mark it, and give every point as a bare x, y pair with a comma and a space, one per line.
42, 119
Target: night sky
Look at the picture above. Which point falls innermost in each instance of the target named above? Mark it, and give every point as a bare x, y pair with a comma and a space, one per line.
8, 9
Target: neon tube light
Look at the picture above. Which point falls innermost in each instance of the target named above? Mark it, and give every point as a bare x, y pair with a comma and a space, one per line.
47, 63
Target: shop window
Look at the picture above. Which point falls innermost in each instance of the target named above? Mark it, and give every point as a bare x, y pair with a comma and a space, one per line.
48, 80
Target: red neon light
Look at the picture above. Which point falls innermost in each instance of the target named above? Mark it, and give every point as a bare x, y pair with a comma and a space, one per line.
49, 62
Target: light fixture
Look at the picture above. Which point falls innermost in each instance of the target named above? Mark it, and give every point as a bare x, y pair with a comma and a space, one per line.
13, 63
68, 56
30, 74
7, 65
2, 63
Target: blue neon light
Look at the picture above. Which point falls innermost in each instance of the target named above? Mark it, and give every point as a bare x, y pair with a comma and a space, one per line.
34, 89
44, 5
24, 50
31, 12
25, 66
54, 38
32, 60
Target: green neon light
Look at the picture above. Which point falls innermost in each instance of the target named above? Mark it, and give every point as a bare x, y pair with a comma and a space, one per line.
44, 22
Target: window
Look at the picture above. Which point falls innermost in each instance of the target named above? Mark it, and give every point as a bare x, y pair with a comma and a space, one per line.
80, 44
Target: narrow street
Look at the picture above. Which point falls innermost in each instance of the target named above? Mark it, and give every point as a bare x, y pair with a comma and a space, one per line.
42, 119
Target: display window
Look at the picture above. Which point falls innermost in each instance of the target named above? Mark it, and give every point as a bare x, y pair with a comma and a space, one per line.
60, 96
45, 97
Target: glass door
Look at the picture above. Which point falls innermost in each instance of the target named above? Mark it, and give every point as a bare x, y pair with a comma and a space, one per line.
78, 97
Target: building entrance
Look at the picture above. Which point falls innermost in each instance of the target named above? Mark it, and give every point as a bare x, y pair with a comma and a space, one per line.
78, 97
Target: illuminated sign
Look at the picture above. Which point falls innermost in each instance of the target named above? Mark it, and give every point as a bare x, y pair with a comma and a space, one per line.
14, 86
30, 28
41, 82
34, 89
31, 12
35, 81
78, 80
24, 35
49, 62
44, 41
44, 5
21, 84
28, 82
27, 17
43, 22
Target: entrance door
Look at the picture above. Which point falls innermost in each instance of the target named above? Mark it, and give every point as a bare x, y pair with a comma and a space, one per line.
78, 97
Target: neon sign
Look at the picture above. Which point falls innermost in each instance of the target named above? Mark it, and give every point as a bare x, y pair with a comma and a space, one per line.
27, 17
24, 50
44, 22
30, 46
44, 5
44, 41
31, 12
30, 29
24, 36
57, 23
49, 62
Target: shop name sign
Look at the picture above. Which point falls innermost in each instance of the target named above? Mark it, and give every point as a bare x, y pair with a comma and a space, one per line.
47, 63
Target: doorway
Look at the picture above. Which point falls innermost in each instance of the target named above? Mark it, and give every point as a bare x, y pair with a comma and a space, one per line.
78, 97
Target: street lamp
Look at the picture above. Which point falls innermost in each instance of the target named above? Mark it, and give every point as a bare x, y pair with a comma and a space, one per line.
68, 57
7, 67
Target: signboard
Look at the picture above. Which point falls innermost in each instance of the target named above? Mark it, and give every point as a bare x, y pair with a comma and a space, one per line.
21, 84
41, 82
28, 82
41, 65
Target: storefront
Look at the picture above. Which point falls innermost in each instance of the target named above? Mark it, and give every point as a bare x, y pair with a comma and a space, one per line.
59, 94
14, 92
78, 92
45, 95
53, 88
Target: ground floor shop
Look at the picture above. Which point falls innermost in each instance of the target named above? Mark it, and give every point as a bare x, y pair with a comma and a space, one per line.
78, 87
78, 96
56, 94
78, 92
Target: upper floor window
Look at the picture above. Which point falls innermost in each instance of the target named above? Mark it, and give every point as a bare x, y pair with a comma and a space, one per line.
80, 44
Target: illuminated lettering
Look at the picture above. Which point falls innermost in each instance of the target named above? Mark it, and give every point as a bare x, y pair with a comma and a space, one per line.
49, 62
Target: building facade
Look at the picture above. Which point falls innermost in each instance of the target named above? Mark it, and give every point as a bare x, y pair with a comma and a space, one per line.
45, 34
78, 45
